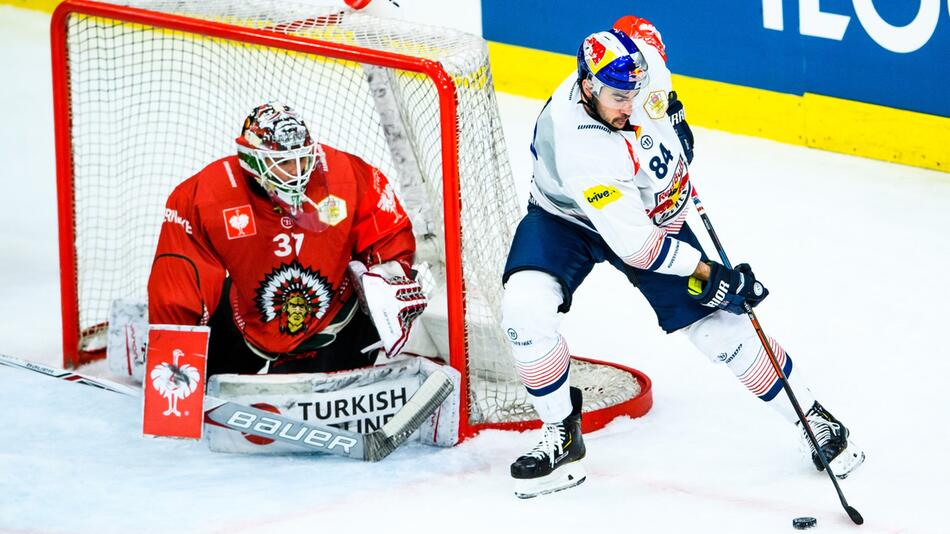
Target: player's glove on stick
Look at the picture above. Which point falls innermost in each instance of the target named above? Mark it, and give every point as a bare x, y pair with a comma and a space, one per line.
392, 301
677, 114
728, 289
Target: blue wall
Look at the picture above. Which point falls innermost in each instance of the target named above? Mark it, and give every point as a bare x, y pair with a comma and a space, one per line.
727, 41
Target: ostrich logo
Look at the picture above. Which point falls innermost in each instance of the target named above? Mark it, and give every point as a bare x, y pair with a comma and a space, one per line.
175, 382
239, 222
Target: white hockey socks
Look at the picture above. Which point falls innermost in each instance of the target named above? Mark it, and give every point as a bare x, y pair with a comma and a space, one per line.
730, 339
542, 359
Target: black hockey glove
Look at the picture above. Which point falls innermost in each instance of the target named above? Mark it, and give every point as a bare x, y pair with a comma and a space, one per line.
677, 114
727, 289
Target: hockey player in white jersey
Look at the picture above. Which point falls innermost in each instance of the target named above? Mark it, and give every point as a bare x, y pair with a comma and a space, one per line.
611, 183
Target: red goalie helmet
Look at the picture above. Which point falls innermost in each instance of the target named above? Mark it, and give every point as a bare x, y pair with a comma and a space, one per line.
276, 148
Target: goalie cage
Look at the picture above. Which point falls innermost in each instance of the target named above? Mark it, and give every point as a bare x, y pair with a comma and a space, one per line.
147, 93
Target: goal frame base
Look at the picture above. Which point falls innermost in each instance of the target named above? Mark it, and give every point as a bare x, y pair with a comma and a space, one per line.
590, 421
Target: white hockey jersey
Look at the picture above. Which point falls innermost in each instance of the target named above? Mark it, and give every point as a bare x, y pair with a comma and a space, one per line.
632, 187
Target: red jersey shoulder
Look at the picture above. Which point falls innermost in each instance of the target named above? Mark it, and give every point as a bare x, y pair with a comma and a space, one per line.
371, 183
373, 189
343, 166
219, 187
218, 182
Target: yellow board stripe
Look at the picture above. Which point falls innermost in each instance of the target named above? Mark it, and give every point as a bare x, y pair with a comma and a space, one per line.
812, 120
37, 5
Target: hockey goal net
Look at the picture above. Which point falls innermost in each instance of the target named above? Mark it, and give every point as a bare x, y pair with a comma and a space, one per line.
146, 93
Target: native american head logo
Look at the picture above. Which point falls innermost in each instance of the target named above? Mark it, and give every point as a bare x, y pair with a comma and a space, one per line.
294, 295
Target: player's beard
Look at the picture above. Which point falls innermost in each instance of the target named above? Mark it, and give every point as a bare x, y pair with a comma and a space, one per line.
615, 118
618, 120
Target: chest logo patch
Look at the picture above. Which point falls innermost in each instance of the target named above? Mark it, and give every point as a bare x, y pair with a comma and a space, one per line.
295, 296
601, 195
671, 201
655, 105
332, 210
239, 222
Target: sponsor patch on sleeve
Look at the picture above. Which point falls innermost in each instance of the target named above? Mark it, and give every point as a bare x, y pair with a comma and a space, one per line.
239, 222
601, 195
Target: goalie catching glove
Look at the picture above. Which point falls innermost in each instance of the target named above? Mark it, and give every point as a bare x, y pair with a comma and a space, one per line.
728, 289
392, 300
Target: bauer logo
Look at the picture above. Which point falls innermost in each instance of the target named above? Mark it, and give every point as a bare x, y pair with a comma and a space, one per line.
239, 222
258, 440
289, 431
601, 195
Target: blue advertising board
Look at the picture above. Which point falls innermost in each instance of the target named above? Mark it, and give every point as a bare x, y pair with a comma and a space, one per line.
893, 53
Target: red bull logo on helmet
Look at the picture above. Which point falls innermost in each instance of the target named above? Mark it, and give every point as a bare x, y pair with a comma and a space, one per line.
600, 50
594, 50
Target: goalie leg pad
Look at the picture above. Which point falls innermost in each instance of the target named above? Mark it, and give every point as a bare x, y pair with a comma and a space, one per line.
359, 400
566, 476
127, 338
542, 358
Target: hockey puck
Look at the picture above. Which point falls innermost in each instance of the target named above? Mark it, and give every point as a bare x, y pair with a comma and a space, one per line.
802, 523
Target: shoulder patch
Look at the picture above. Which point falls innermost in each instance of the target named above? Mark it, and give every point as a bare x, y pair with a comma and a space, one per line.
239, 222
655, 105
601, 195
332, 210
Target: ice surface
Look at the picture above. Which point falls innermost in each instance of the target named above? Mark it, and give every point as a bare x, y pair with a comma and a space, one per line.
853, 251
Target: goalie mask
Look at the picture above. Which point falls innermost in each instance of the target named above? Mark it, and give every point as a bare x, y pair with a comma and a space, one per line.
275, 147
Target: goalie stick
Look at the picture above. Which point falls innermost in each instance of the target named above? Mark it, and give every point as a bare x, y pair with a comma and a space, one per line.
851, 511
370, 447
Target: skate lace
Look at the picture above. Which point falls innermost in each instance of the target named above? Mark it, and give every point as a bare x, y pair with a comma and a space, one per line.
551, 444
824, 430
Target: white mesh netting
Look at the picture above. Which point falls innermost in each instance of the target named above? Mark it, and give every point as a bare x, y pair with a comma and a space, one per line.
151, 106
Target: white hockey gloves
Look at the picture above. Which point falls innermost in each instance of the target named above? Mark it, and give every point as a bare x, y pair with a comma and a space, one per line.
392, 301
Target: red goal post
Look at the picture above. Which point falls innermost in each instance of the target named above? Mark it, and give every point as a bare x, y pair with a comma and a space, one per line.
90, 37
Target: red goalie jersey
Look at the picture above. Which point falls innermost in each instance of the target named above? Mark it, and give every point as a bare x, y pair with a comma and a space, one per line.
288, 272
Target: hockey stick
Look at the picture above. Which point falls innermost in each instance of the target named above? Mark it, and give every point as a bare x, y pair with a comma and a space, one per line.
852, 512
370, 447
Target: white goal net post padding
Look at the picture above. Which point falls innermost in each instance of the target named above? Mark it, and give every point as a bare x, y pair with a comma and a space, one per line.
149, 92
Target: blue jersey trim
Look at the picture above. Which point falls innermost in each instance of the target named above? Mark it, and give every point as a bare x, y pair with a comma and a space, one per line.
661, 257
770, 394
551, 388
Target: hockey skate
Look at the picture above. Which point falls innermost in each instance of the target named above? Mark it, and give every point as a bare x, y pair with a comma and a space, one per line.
843, 455
554, 463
